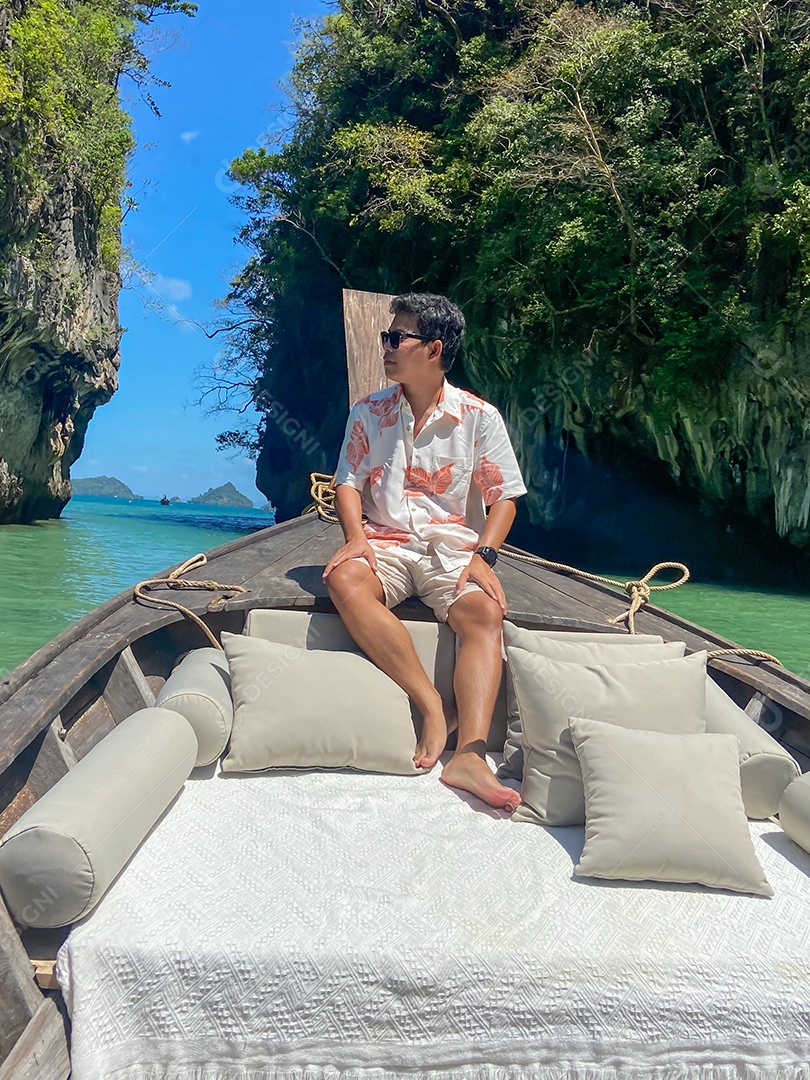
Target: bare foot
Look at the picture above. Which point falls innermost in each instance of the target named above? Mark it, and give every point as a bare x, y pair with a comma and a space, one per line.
470, 772
433, 737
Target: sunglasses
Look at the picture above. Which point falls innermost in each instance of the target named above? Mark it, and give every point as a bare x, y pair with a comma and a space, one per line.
394, 338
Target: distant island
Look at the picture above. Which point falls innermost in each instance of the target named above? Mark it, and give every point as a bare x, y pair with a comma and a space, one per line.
102, 485
225, 495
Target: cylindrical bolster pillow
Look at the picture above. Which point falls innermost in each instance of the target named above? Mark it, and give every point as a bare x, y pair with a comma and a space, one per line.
794, 811
200, 690
62, 855
766, 768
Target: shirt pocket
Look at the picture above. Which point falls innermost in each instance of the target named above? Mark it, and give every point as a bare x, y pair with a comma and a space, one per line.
449, 481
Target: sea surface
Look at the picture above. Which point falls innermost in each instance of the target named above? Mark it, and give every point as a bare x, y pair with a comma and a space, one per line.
56, 571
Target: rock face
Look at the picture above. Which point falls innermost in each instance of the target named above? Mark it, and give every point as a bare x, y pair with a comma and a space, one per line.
604, 451
59, 332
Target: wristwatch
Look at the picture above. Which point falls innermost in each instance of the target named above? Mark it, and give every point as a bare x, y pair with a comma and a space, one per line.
488, 554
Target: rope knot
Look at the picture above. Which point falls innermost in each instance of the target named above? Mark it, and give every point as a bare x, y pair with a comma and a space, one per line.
638, 589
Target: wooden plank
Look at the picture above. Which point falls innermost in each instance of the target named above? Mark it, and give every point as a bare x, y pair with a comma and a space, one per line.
90, 728
41, 1053
45, 974
53, 761
19, 996
365, 316
127, 690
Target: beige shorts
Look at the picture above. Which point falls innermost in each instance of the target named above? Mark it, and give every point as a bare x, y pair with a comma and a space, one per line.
405, 573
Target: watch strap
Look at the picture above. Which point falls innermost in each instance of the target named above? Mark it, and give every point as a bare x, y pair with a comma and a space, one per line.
488, 554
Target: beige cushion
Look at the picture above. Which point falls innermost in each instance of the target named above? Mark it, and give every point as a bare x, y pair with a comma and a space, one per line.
313, 708
200, 689
433, 642
577, 649
609, 637
663, 807
794, 811
766, 768
62, 855
659, 695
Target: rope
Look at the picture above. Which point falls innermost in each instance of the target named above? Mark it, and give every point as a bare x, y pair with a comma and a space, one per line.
638, 591
175, 580
756, 654
323, 495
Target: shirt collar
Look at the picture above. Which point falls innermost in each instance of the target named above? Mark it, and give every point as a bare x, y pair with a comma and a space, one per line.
449, 401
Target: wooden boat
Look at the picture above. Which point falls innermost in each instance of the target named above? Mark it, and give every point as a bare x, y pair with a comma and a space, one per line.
58, 704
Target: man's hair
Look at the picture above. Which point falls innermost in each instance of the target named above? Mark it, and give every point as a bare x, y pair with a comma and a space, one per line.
437, 318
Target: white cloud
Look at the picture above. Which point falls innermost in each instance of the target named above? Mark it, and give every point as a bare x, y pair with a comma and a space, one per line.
174, 289
139, 469
189, 136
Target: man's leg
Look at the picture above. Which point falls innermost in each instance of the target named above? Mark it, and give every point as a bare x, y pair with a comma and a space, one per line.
477, 620
358, 595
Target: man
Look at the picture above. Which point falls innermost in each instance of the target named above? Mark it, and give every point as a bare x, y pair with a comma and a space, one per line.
420, 460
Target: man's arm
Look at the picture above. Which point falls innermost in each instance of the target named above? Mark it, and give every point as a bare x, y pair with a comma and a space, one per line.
499, 521
348, 506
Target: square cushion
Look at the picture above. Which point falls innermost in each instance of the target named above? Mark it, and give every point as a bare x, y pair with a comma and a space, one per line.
662, 695
312, 708
664, 807
433, 642
576, 649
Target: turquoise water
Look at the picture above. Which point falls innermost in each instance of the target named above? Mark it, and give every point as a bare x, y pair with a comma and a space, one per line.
54, 572
773, 620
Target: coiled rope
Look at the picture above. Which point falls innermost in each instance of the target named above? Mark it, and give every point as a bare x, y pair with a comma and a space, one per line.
175, 580
323, 496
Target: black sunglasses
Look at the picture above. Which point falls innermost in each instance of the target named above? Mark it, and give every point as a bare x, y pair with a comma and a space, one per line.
394, 338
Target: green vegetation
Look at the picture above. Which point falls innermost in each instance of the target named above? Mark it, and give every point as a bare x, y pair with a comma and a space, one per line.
615, 179
103, 485
59, 100
224, 495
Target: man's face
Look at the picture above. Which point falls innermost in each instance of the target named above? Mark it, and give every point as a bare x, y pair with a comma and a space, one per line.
414, 359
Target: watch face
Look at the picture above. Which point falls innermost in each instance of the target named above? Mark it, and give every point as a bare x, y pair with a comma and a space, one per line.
488, 554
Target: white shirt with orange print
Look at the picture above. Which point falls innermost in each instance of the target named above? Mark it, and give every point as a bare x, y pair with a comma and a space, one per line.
428, 493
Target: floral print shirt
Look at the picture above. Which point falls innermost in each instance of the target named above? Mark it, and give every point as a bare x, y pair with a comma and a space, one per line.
428, 493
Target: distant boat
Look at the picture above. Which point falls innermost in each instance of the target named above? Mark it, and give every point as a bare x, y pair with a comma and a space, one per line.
165, 501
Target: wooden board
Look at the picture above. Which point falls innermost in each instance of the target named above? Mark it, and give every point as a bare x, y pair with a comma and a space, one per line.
365, 316
19, 996
41, 1052
127, 690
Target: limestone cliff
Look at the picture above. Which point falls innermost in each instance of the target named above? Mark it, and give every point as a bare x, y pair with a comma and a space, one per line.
604, 449
59, 333
59, 347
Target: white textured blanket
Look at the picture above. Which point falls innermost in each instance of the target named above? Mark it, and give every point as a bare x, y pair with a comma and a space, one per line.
321, 926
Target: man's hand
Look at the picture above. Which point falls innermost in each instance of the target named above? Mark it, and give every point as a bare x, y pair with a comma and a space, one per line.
356, 548
482, 574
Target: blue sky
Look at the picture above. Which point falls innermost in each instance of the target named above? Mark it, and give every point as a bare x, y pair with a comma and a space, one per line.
226, 69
